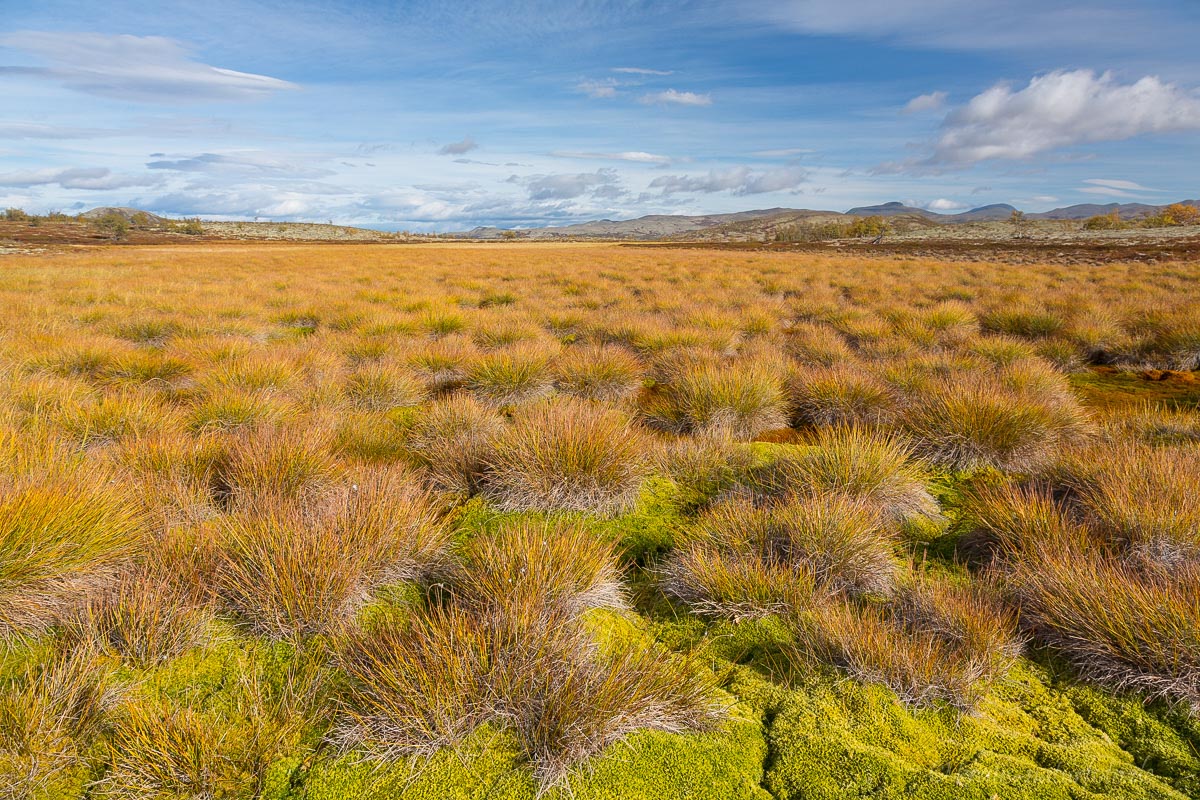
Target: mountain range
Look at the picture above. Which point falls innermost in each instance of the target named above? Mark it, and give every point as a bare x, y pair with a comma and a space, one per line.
656, 226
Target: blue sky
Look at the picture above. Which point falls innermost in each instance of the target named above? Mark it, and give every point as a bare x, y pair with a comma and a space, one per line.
441, 117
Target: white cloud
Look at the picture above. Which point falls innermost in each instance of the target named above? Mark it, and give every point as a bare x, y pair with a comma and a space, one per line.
37, 130
942, 204
142, 68
737, 181
934, 101
90, 178
786, 152
601, 90
635, 156
1045, 198
1061, 109
677, 98
1128, 186
643, 71
986, 24
459, 148
566, 186
1108, 191
245, 163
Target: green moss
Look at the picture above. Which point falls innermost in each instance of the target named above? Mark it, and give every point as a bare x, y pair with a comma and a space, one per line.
1161, 740
841, 739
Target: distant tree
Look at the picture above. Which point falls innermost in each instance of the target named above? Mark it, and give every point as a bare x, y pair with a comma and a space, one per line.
141, 220
115, 225
508, 236
1105, 222
1020, 222
1180, 214
16, 215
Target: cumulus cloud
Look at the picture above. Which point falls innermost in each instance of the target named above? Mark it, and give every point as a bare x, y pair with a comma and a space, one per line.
943, 204
635, 156
1061, 109
934, 101
249, 163
737, 181
459, 148
90, 178
141, 68
671, 96
566, 186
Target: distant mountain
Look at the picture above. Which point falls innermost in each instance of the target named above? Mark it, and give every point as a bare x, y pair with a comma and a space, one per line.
122, 211
650, 227
993, 213
1086, 210
889, 210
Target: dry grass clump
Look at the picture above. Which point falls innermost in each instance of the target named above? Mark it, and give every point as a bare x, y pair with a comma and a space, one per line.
747, 560
567, 456
293, 568
442, 364
1015, 420
877, 469
1120, 626
50, 714
1018, 521
842, 394
146, 619
454, 440
511, 650
510, 377
61, 537
740, 399
935, 645
1149, 499
561, 563
378, 387
275, 465
598, 372
1151, 424
703, 467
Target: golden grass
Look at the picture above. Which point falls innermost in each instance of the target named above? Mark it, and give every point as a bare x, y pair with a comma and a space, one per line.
236, 431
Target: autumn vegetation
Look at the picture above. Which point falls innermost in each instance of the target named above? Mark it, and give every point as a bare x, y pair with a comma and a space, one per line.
593, 521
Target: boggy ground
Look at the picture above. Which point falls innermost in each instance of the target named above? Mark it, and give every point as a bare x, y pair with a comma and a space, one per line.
594, 521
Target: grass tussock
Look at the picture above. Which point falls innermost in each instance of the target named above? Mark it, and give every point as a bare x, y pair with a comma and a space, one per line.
840, 394
567, 456
600, 372
294, 569
735, 399
454, 442
61, 537
1120, 626
511, 649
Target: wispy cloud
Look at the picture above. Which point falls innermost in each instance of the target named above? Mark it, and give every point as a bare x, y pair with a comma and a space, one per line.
89, 178
643, 71
141, 68
599, 89
634, 156
786, 152
248, 163
1127, 186
934, 101
459, 148
672, 96
737, 181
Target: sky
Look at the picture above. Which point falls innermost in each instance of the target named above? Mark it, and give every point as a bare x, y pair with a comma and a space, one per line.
441, 117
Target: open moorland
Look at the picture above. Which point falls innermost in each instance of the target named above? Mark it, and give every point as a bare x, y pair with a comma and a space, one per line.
304, 521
